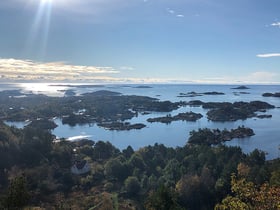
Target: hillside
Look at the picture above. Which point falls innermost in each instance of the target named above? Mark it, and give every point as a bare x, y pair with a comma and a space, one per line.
36, 173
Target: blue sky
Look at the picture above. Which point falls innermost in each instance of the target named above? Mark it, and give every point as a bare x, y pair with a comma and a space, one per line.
204, 41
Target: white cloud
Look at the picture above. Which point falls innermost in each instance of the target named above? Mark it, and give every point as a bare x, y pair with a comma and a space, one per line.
268, 55
170, 11
180, 16
277, 24
15, 69
173, 12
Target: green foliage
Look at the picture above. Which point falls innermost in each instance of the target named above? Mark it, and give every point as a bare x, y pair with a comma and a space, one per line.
163, 198
114, 168
136, 161
275, 178
232, 203
194, 193
196, 176
132, 186
17, 195
128, 151
104, 150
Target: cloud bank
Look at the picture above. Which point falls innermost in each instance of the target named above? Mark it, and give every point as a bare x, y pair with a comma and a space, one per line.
15, 69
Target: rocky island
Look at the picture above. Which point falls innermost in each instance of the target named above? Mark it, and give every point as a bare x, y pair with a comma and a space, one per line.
143, 86
271, 94
195, 94
242, 87
121, 126
94, 107
226, 111
188, 116
207, 136
111, 109
240, 93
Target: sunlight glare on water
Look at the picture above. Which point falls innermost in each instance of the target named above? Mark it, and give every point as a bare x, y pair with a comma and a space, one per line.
43, 88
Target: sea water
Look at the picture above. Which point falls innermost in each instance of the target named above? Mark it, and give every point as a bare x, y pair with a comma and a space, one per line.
267, 131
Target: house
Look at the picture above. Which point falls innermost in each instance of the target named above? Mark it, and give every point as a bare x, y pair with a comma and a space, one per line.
80, 167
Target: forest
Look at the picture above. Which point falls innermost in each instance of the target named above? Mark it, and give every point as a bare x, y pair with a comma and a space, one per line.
36, 173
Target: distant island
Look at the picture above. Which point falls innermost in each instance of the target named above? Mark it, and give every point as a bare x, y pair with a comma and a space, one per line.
271, 94
143, 86
241, 92
195, 94
242, 87
79, 86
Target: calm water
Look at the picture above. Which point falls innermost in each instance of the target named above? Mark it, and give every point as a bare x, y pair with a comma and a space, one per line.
267, 131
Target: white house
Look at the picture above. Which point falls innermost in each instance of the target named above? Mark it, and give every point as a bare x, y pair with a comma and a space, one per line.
80, 167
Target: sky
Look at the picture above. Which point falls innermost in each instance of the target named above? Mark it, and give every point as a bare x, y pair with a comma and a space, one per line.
140, 41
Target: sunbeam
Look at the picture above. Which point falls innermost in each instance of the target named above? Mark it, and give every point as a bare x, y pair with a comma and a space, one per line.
38, 36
